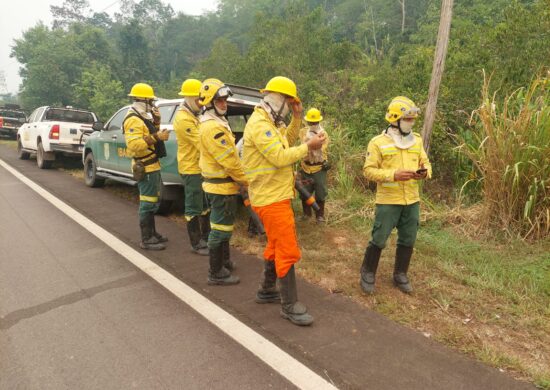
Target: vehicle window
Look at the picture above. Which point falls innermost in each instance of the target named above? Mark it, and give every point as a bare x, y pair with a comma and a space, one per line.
38, 115
64, 115
237, 123
116, 122
12, 114
167, 113
33, 115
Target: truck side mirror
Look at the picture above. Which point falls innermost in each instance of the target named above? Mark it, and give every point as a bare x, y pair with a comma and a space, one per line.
97, 126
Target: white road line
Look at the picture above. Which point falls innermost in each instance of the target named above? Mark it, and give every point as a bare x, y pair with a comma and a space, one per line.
275, 357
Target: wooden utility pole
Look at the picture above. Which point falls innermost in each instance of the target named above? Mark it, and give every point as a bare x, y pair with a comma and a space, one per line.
437, 70
402, 2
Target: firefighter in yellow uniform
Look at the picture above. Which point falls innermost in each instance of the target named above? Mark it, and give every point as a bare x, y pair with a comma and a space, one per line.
268, 160
314, 166
186, 127
396, 161
223, 176
145, 144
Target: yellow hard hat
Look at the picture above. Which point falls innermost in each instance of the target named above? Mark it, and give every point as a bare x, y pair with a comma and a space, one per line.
213, 89
142, 91
190, 87
313, 115
282, 85
401, 107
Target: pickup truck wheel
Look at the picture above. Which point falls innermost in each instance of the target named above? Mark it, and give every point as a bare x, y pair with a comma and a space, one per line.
21, 154
90, 172
42, 164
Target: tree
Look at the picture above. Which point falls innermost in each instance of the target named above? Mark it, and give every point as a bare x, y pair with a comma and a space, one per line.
71, 11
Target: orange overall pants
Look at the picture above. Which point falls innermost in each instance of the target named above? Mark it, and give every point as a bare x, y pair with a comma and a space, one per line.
282, 243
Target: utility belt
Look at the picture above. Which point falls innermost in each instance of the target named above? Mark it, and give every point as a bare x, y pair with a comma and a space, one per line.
148, 162
218, 180
314, 164
138, 168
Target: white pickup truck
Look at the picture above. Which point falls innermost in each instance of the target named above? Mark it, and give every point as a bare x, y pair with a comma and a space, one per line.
53, 131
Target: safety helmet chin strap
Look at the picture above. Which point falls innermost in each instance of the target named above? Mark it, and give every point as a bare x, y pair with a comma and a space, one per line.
212, 106
272, 99
398, 127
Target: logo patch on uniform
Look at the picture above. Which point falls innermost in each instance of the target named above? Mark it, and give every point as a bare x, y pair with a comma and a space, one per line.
268, 133
131, 130
223, 142
188, 130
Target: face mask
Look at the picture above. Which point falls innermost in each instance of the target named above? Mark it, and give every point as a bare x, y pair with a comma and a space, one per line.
278, 104
286, 109
192, 104
406, 126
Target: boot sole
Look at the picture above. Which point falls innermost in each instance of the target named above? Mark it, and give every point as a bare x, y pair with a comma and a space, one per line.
222, 283
402, 289
151, 248
267, 300
288, 317
368, 291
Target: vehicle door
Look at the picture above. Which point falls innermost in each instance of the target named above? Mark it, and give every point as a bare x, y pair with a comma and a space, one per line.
108, 154
34, 128
24, 130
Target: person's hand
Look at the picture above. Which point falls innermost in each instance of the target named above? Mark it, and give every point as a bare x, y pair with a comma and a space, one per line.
316, 142
163, 135
422, 175
297, 108
403, 175
156, 116
150, 140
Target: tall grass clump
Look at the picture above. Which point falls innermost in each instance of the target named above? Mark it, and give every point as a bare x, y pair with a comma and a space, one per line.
510, 153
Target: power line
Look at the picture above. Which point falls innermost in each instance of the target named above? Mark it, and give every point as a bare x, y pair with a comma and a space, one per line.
110, 5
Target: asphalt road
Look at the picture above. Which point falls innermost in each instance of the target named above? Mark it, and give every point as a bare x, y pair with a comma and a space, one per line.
76, 314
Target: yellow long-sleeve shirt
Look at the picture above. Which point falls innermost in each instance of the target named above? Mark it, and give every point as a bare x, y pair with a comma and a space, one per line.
134, 132
311, 169
186, 127
268, 159
384, 158
219, 158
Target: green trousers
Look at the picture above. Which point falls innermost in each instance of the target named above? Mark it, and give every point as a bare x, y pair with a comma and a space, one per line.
389, 216
149, 193
195, 199
223, 209
316, 184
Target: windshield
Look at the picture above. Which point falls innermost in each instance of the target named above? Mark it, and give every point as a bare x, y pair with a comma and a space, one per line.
12, 114
63, 115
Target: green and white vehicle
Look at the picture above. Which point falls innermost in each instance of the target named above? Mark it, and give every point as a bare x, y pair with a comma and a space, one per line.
104, 154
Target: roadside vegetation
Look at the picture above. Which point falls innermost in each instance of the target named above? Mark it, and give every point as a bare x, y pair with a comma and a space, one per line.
481, 268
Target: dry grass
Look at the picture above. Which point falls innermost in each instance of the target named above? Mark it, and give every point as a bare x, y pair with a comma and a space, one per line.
509, 148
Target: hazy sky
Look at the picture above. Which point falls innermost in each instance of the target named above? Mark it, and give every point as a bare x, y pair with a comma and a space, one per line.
20, 15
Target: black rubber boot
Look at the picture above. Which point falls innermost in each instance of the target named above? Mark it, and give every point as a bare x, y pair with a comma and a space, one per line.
369, 267
158, 236
291, 309
268, 293
194, 231
227, 263
403, 256
218, 274
307, 211
320, 214
204, 221
148, 241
